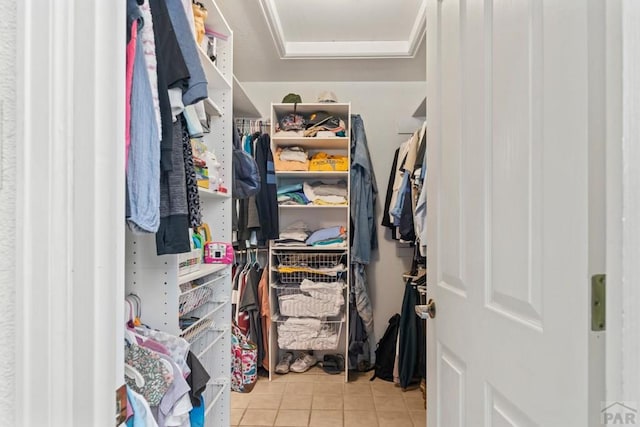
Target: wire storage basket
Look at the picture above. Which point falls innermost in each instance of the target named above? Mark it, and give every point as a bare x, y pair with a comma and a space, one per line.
303, 333
297, 276
193, 299
317, 299
311, 260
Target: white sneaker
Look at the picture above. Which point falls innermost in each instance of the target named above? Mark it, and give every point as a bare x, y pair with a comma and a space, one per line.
303, 363
285, 361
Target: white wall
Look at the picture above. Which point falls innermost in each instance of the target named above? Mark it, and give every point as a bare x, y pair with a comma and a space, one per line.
7, 209
381, 105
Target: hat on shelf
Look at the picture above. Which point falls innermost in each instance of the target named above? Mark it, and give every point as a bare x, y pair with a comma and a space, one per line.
317, 118
327, 96
292, 98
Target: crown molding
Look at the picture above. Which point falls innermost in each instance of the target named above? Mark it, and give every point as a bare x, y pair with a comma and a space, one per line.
343, 49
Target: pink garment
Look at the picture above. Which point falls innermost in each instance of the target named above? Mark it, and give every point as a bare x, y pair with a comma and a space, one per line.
131, 54
155, 346
150, 343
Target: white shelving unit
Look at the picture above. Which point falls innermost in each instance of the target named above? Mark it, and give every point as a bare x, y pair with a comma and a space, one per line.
316, 217
155, 279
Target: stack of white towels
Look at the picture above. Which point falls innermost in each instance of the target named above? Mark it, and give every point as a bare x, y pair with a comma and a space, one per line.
304, 333
316, 299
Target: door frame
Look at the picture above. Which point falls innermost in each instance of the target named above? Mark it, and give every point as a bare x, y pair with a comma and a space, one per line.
623, 202
70, 71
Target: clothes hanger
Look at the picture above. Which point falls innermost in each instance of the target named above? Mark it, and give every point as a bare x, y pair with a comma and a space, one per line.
138, 320
134, 320
256, 261
129, 319
129, 336
134, 374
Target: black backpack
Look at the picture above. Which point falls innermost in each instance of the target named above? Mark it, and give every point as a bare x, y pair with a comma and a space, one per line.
386, 351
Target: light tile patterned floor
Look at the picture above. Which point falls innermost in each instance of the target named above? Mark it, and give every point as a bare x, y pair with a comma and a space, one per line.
316, 399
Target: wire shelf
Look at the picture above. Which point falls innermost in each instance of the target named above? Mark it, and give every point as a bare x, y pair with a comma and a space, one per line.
195, 332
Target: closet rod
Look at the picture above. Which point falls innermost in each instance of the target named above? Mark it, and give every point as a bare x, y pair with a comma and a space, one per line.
244, 251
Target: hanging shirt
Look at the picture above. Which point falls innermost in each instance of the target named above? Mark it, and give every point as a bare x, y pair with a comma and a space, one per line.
386, 219
265, 314
196, 89
173, 234
142, 416
147, 35
172, 72
143, 167
197, 379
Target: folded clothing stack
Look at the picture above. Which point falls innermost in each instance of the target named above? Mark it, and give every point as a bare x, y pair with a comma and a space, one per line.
291, 159
322, 271
298, 234
328, 237
303, 333
317, 193
322, 161
292, 195
320, 193
295, 234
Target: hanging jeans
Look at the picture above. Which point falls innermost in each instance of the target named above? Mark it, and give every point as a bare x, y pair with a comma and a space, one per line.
363, 304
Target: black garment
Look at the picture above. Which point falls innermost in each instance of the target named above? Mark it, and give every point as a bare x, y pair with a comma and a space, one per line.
359, 352
410, 331
251, 305
197, 379
406, 228
173, 234
267, 197
243, 232
172, 72
421, 150
386, 221
193, 195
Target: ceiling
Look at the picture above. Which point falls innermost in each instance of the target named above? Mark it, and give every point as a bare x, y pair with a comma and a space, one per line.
328, 40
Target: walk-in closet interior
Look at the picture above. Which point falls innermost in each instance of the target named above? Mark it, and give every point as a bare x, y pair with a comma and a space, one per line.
275, 254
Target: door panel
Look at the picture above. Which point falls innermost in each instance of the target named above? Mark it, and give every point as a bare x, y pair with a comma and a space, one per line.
507, 212
503, 413
451, 153
513, 119
451, 371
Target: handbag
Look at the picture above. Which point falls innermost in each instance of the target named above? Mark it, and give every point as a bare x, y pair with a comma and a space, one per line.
244, 362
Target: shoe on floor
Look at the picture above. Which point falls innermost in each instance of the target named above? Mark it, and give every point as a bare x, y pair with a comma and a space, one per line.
333, 363
303, 363
283, 365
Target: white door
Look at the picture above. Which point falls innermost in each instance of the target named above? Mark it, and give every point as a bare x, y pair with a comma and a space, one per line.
507, 110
